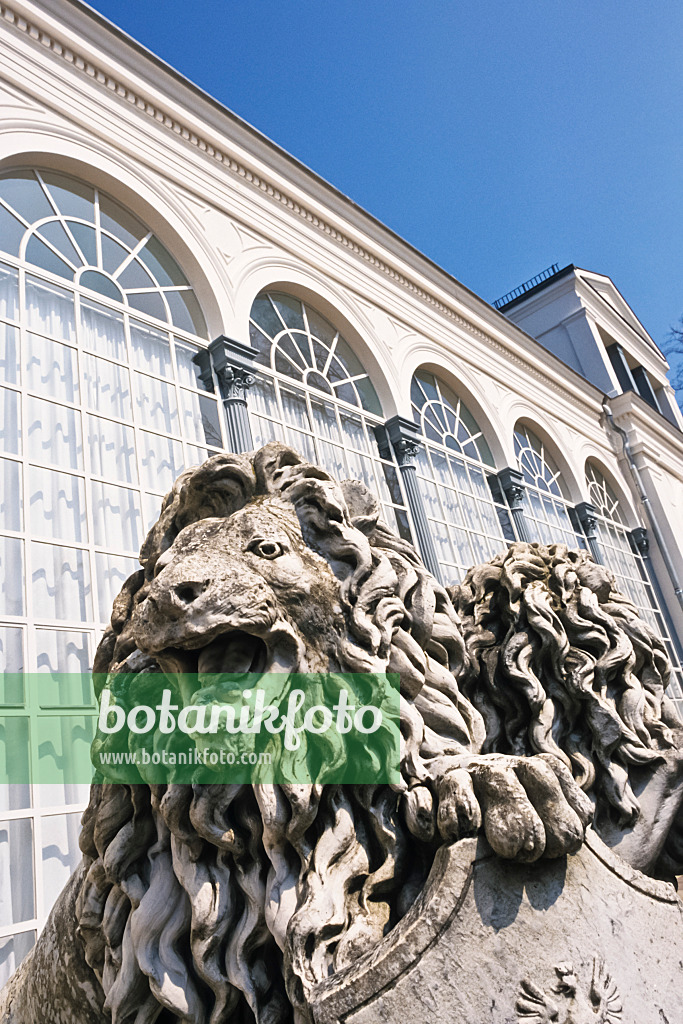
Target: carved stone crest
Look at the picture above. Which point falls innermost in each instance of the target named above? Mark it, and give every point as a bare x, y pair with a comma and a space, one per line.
601, 1004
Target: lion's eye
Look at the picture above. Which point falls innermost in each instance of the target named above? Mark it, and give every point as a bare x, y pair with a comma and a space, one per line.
267, 548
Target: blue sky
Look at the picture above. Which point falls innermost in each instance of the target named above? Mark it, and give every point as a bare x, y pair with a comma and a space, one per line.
497, 138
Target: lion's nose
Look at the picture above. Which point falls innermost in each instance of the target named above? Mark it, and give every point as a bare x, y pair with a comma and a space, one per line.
187, 593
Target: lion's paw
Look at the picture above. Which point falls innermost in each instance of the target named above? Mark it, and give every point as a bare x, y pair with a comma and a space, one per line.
529, 806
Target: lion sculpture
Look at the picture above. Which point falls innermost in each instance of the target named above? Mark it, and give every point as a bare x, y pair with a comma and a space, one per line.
532, 703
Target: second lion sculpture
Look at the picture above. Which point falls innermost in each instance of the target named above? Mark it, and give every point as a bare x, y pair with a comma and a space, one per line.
532, 702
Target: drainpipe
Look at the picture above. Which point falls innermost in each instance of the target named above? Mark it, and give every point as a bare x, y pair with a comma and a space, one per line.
647, 505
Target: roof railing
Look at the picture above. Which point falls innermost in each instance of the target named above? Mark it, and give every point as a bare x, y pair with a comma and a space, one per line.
527, 286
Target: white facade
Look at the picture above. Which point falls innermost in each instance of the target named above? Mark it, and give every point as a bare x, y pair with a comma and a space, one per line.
243, 221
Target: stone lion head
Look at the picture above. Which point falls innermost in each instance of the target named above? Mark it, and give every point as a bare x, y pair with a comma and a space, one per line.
562, 663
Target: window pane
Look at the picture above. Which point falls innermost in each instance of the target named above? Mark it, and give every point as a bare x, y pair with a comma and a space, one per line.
11, 503
64, 758
294, 407
10, 426
155, 404
11, 232
9, 294
107, 387
200, 419
60, 853
262, 398
50, 309
54, 434
13, 949
117, 517
11, 576
61, 583
112, 450
71, 197
188, 371
112, 572
22, 191
60, 650
11, 658
150, 349
51, 368
161, 460
14, 755
9, 354
17, 901
57, 503
102, 330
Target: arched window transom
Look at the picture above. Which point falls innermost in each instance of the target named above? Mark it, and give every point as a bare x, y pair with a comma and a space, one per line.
81, 234
294, 340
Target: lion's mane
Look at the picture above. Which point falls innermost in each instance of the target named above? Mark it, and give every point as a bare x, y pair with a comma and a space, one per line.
561, 663
228, 902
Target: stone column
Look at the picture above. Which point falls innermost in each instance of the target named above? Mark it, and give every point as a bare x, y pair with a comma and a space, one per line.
512, 485
233, 364
586, 516
406, 440
640, 542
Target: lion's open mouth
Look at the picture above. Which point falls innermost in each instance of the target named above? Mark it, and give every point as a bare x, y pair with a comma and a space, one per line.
235, 653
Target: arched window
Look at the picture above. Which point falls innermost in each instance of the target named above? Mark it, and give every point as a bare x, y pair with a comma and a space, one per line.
452, 471
318, 398
101, 404
623, 557
546, 507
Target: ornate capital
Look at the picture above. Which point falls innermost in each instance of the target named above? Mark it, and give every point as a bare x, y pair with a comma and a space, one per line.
405, 439
406, 451
587, 514
512, 484
641, 541
234, 382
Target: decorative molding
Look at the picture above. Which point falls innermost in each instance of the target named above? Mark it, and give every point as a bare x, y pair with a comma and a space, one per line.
155, 112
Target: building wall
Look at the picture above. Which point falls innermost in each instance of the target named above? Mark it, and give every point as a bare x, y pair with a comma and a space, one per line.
241, 217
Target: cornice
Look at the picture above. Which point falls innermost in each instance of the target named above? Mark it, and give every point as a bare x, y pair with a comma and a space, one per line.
89, 68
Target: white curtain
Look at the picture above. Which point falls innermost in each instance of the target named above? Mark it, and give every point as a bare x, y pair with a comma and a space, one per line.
57, 505
54, 434
50, 309
11, 576
150, 350
10, 423
161, 459
9, 352
112, 450
117, 517
60, 578
107, 387
102, 330
156, 405
10, 495
51, 368
9, 302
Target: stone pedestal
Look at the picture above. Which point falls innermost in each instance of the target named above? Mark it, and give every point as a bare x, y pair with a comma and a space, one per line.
581, 940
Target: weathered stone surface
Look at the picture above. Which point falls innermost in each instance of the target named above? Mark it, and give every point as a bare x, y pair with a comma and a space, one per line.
579, 940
